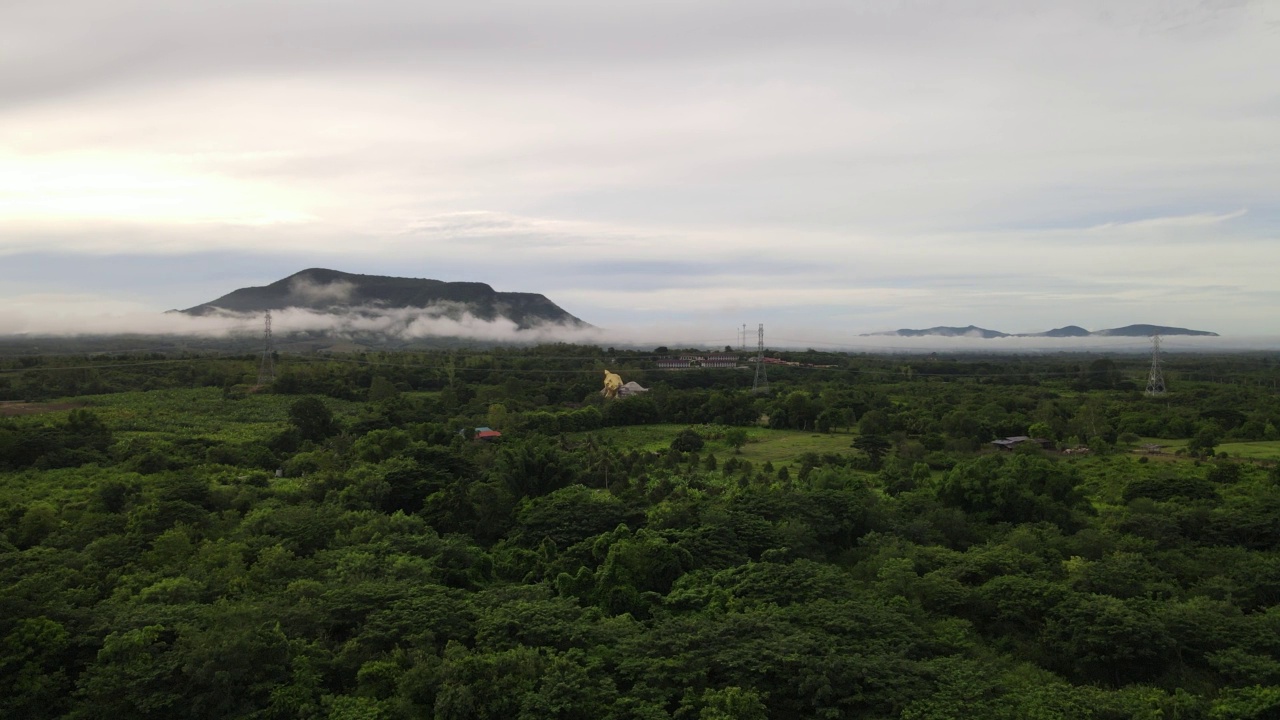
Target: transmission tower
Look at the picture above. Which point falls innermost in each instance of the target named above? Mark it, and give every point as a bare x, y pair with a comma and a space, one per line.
761, 384
742, 346
1155, 381
267, 368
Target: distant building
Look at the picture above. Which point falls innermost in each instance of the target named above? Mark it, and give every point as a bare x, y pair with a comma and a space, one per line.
487, 434
671, 363
720, 360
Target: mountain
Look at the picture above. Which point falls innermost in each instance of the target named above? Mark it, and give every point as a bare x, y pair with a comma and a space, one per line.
332, 291
1149, 330
942, 331
1070, 331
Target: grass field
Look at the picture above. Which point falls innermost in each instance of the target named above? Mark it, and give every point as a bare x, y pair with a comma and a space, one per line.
199, 412
1254, 450
1259, 450
764, 445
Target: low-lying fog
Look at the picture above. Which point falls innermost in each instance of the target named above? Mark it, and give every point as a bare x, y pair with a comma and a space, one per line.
451, 321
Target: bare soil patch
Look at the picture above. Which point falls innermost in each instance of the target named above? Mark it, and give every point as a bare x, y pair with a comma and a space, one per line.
13, 408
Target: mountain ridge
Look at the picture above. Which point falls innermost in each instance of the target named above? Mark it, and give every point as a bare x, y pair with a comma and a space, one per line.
1075, 331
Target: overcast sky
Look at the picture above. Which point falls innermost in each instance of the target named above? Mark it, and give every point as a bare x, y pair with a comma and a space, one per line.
827, 168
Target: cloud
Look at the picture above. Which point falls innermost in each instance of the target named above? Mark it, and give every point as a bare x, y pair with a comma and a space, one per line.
46, 315
59, 316
308, 292
1177, 222
862, 164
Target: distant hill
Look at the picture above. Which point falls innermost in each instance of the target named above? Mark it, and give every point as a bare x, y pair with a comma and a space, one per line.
1070, 331
1149, 330
943, 331
324, 290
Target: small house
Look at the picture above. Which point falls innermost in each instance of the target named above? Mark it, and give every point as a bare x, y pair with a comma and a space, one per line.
487, 434
1014, 441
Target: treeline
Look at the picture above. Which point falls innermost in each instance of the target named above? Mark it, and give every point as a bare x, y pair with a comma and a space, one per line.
560, 373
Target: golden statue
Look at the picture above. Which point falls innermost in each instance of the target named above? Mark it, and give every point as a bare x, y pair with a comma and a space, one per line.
612, 381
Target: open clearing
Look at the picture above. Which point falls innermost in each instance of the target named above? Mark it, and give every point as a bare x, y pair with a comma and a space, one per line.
763, 445
1250, 450
1259, 450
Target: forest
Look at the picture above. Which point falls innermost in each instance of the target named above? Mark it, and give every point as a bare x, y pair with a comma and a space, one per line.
178, 541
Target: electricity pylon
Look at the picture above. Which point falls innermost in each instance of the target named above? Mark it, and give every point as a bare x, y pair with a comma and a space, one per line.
1155, 381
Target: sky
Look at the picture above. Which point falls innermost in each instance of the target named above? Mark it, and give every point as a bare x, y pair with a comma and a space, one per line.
828, 168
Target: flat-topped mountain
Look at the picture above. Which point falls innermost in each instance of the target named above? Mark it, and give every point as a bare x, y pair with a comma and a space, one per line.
1070, 331
324, 290
1149, 330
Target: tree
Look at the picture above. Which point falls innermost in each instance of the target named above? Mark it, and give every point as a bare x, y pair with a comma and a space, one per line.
497, 416
736, 437
800, 409
874, 446
312, 418
136, 675
1098, 637
33, 683
1246, 703
567, 516
1041, 431
382, 389
830, 419
1014, 488
88, 430
1205, 440
532, 469
1103, 373
381, 445
687, 440
874, 422
732, 703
